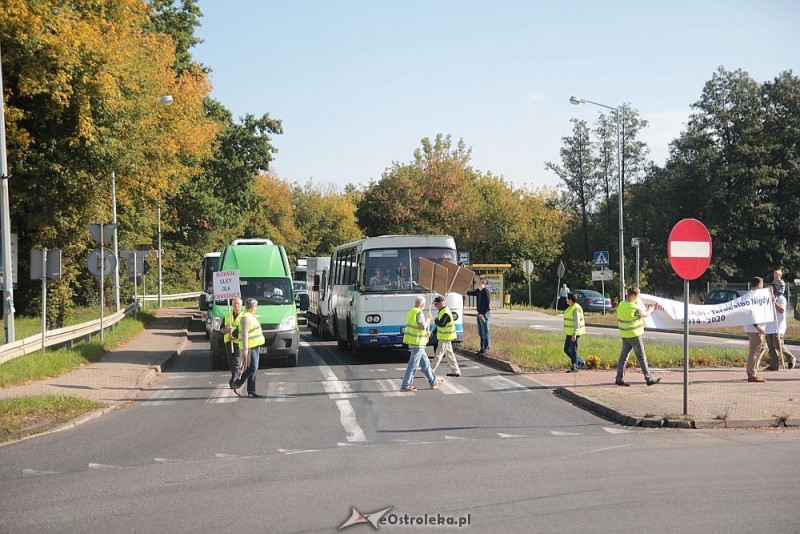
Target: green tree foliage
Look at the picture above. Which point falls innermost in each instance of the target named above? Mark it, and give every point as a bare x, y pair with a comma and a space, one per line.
179, 22
433, 194
578, 173
324, 219
735, 169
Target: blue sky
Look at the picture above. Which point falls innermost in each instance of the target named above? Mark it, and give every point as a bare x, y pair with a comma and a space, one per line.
359, 83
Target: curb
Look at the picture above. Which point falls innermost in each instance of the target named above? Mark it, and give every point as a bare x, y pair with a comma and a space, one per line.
653, 422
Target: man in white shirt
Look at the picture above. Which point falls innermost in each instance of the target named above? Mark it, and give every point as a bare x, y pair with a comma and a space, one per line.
777, 329
755, 333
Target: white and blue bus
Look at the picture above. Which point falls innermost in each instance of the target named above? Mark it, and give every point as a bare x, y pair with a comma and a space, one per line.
373, 283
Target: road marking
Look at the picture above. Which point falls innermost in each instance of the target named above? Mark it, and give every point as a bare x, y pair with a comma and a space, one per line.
101, 466
34, 473
222, 393
348, 418
617, 430
164, 460
336, 389
281, 392
334, 386
502, 384
162, 397
390, 387
510, 435
557, 433
296, 451
452, 387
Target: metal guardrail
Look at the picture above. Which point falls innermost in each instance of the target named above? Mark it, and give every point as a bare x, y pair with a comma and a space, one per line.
67, 334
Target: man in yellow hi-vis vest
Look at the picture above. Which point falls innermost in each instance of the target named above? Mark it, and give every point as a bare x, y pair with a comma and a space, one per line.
631, 329
574, 328
251, 336
445, 333
416, 337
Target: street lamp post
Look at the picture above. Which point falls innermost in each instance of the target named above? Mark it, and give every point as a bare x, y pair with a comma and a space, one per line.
578, 100
116, 241
165, 101
159, 257
5, 227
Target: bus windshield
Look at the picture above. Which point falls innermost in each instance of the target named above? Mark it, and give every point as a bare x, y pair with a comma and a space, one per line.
397, 269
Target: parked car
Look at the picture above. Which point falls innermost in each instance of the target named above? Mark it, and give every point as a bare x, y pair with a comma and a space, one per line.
592, 301
718, 296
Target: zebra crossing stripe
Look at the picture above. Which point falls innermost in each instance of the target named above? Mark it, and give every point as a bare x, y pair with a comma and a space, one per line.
452, 387
163, 396
391, 387
222, 393
503, 384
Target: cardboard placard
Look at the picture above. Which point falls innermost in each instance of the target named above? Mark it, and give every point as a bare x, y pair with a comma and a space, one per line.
445, 278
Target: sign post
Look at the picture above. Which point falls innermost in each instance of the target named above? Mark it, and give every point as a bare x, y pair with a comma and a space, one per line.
101, 261
527, 267
560, 272
689, 250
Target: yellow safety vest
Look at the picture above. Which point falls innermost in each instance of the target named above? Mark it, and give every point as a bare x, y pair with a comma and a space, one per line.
232, 321
414, 335
569, 321
448, 331
629, 324
255, 335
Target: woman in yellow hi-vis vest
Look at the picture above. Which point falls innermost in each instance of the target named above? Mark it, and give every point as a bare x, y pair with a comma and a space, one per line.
574, 328
250, 338
231, 324
631, 329
416, 337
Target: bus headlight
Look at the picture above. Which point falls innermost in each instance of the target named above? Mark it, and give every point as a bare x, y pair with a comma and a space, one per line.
372, 319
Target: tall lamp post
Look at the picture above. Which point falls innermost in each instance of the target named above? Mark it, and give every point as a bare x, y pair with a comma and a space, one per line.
5, 226
578, 100
165, 101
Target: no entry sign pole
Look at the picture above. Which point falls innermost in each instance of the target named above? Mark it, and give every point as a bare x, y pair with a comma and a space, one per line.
689, 250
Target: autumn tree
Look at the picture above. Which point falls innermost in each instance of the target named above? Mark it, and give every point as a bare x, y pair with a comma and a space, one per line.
324, 218
82, 88
433, 194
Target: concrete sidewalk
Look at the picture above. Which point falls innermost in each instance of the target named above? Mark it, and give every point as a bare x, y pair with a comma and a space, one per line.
122, 374
716, 397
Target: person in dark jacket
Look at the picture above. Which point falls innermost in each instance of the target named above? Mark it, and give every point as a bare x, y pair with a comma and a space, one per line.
483, 298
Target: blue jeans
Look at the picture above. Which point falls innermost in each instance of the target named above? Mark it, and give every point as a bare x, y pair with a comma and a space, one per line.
251, 372
571, 350
483, 331
418, 357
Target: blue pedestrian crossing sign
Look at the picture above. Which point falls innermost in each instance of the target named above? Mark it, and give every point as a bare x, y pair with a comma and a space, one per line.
601, 258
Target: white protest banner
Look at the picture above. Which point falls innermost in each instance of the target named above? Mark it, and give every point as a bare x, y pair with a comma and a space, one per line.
755, 307
226, 285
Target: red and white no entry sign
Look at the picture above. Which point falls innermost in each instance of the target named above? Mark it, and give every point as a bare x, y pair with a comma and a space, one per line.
689, 249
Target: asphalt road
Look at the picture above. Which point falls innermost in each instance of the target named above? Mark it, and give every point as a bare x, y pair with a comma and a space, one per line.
336, 433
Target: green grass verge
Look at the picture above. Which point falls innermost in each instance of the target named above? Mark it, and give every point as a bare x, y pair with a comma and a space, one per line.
23, 416
534, 350
36, 366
